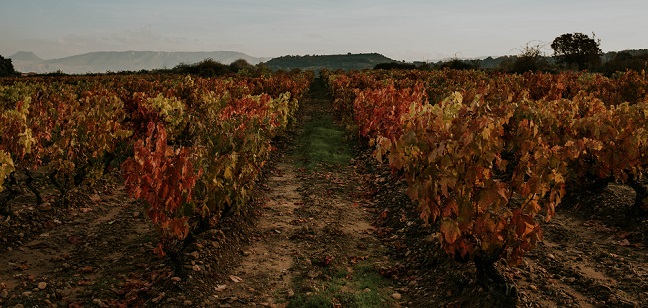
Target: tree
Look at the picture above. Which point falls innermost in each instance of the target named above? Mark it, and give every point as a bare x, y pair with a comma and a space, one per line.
240, 65
577, 50
624, 60
458, 64
6, 67
531, 58
204, 68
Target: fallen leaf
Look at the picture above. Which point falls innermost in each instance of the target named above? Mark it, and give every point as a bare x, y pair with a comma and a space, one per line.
236, 279
624, 242
220, 287
23, 266
87, 269
383, 214
160, 297
327, 259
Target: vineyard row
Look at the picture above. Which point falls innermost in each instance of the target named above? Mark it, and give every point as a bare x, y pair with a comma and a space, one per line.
486, 154
190, 148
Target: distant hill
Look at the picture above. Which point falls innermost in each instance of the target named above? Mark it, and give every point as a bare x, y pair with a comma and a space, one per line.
26, 56
332, 62
103, 61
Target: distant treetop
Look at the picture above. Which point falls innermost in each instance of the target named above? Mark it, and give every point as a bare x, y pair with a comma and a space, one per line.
577, 50
6, 67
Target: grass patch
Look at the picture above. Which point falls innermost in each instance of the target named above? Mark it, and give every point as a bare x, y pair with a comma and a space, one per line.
323, 143
361, 288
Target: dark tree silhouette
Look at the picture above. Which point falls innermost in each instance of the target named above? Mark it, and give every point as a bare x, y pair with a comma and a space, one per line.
240, 65
577, 50
204, 68
6, 67
457, 64
624, 60
530, 59
394, 65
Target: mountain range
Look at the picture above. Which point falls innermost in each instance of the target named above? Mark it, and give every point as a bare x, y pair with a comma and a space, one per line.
115, 61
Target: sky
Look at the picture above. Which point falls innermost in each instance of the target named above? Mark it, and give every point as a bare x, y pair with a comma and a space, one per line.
403, 30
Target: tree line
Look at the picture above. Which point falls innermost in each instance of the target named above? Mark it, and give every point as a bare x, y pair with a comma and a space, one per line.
571, 51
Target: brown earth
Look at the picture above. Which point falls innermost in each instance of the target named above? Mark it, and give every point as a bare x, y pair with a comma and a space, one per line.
337, 235
592, 255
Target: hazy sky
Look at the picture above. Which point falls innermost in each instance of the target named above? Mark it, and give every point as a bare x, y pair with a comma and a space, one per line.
402, 30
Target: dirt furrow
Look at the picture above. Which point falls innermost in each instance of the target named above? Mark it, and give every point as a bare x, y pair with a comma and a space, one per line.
264, 273
582, 263
313, 244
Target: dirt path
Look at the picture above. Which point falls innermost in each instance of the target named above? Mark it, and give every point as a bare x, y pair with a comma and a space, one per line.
313, 244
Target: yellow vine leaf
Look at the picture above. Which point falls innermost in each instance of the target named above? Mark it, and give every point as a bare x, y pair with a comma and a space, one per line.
6, 167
